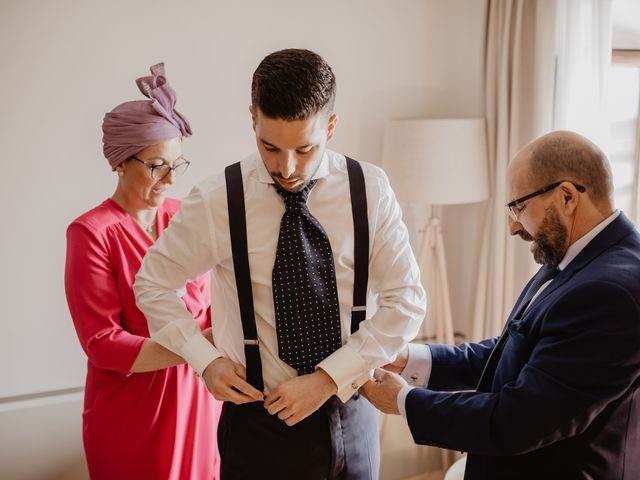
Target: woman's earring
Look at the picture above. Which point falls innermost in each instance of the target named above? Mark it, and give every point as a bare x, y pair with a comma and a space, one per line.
120, 173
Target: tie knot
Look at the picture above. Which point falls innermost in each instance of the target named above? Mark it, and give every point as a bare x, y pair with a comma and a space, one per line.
548, 272
295, 199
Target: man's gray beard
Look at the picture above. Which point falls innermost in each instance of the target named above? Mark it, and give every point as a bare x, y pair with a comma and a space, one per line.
550, 242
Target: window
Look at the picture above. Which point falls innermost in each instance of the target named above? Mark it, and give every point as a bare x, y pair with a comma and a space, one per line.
624, 107
624, 103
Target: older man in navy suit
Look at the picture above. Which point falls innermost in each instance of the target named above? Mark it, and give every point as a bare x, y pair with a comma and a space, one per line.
557, 394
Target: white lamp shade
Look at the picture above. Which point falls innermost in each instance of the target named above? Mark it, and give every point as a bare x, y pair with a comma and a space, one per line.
437, 161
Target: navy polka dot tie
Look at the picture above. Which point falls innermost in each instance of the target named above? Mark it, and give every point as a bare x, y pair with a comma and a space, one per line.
305, 295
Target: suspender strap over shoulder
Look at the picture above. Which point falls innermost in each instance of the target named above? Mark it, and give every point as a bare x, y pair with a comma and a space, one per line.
238, 230
358, 192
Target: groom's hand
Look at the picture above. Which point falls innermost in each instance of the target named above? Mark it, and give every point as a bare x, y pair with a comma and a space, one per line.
297, 398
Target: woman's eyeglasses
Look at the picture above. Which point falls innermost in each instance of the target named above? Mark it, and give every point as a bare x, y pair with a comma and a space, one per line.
158, 172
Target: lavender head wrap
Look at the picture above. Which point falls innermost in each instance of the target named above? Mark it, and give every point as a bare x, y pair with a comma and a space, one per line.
133, 126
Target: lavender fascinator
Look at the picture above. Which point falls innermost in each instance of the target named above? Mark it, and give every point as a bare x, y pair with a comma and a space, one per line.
133, 126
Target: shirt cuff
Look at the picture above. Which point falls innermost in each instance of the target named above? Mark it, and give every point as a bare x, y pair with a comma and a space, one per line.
199, 353
418, 368
345, 393
402, 399
347, 369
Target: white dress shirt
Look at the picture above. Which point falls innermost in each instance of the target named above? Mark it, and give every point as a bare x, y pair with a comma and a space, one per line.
197, 240
418, 368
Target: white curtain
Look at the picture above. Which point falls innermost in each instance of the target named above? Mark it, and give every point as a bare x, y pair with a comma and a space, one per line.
519, 80
584, 62
531, 46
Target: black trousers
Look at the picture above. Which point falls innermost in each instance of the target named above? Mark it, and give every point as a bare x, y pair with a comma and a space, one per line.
337, 442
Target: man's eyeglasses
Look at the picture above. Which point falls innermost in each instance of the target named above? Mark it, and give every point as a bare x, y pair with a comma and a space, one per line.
515, 207
158, 172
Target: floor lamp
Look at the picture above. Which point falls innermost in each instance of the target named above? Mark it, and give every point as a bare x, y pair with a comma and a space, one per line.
431, 163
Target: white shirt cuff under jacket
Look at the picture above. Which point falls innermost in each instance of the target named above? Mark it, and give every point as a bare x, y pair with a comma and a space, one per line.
418, 368
416, 372
402, 399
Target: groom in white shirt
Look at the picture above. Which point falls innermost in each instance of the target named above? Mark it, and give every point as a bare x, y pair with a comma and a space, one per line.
302, 235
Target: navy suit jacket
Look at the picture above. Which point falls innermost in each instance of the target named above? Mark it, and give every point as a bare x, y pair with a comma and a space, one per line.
557, 395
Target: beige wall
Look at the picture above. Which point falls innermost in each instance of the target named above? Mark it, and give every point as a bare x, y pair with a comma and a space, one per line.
63, 64
41, 439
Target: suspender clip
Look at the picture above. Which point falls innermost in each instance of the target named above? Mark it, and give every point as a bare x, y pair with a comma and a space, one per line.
359, 309
251, 342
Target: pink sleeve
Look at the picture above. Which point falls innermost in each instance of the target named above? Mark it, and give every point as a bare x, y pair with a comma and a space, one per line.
94, 302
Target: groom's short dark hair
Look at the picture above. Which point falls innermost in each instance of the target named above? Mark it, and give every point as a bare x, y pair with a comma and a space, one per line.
293, 84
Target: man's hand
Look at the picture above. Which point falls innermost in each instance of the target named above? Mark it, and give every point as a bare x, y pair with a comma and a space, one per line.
399, 363
296, 399
383, 391
226, 380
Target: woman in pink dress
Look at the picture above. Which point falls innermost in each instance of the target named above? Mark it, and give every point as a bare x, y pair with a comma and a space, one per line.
146, 415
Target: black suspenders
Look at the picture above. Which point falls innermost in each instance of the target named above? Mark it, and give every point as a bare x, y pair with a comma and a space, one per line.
238, 230
360, 243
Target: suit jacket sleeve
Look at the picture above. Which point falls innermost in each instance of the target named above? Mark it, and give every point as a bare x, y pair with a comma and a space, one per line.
458, 367
586, 355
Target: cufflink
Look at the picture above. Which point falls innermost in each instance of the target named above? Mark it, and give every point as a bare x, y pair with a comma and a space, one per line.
414, 379
354, 385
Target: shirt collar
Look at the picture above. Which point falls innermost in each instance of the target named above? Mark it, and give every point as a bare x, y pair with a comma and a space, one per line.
264, 177
576, 247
